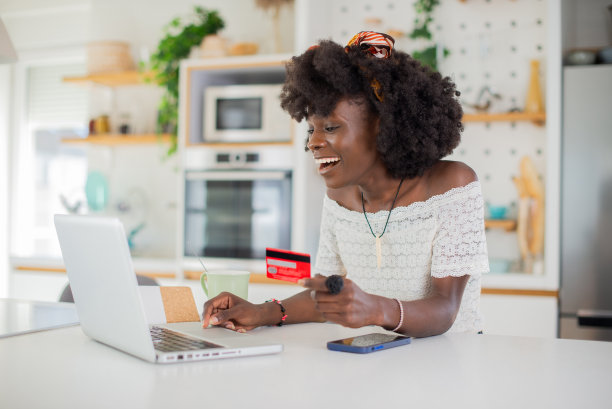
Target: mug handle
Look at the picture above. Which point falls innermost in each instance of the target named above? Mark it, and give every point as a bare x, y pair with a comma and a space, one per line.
203, 280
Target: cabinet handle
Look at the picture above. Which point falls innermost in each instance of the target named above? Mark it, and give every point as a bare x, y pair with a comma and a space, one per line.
594, 318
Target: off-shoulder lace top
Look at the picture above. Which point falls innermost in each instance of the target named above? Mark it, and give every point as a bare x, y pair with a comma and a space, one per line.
442, 236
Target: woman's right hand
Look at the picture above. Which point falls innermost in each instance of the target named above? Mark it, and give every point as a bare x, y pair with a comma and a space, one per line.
232, 312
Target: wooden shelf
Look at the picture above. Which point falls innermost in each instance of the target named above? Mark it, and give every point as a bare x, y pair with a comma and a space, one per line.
120, 139
113, 79
506, 224
538, 119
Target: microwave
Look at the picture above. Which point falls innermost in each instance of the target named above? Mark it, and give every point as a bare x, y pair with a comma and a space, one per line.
245, 114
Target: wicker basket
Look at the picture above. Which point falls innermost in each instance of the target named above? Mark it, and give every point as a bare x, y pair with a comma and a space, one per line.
109, 56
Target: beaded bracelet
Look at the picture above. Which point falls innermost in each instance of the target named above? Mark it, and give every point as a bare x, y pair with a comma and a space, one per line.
401, 321
284, 317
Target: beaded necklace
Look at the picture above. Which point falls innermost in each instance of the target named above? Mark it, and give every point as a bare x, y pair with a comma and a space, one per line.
378, 241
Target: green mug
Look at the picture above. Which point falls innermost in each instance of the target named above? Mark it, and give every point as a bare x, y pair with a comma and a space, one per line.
215, 282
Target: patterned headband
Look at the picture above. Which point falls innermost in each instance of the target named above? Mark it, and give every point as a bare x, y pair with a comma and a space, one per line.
379, 45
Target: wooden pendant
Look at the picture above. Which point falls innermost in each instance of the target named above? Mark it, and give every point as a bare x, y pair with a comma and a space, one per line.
378, 252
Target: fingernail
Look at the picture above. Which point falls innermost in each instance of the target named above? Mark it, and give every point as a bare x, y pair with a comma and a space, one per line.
241, 330
214, 320
301, 281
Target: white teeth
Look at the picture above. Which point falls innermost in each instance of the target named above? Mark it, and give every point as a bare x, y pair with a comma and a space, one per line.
327, 160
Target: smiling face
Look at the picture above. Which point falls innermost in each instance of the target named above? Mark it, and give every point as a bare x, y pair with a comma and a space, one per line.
344, 144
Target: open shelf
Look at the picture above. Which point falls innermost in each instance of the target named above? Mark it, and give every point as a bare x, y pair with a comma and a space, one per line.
113, 79
120, 139
537, 118
506, 224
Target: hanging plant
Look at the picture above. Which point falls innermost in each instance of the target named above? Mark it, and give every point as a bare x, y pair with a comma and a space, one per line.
429, 55
179, 38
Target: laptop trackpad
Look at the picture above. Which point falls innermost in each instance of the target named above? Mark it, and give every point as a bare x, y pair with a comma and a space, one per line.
219, 336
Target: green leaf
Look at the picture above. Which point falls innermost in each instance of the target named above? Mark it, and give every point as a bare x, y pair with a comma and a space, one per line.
176, 45
427, 57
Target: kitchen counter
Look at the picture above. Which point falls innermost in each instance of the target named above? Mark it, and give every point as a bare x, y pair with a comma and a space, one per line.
509, 304
168, 268
163, 266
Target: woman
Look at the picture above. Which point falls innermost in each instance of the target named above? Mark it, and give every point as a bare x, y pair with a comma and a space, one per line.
404, 228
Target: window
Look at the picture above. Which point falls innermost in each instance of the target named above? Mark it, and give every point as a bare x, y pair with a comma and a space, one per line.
47, 175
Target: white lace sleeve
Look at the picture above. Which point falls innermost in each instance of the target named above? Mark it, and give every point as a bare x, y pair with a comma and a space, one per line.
328, 255
459, 247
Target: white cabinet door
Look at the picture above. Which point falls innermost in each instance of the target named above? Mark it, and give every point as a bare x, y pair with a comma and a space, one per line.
36, 285
532, 316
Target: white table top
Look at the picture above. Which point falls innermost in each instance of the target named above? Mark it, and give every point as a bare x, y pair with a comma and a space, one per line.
63, 368
20, 316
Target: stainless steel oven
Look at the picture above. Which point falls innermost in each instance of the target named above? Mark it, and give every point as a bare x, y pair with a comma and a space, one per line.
237, 208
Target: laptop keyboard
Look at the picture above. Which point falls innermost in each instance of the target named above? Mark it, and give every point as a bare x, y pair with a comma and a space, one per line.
166, 340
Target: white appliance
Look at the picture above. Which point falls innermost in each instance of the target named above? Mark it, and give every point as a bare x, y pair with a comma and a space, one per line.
245, 114
239, 204
586, 204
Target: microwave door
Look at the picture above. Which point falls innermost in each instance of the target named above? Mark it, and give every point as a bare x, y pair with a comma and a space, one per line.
245, 114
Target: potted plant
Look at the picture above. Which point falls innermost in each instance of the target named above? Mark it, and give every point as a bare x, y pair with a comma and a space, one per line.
179, 38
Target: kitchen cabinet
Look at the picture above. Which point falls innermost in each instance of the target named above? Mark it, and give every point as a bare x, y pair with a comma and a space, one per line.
45, 279
37, 285
519, 315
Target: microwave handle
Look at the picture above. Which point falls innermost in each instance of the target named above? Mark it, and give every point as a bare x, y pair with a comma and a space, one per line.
236, 175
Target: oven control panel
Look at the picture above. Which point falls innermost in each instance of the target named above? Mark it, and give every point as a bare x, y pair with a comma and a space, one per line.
272, 157
237, 158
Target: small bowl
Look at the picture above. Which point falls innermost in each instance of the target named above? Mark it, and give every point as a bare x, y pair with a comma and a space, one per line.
497, 212
580, 57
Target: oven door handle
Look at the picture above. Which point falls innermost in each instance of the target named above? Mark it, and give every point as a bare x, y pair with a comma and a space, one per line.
236, 175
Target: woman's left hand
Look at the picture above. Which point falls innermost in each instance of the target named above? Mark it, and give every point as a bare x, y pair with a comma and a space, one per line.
351, 307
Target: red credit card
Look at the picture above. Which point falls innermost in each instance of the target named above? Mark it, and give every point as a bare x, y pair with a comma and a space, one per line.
287, 265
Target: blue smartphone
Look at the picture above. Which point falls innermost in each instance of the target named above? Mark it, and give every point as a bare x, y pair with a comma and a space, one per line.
364, 344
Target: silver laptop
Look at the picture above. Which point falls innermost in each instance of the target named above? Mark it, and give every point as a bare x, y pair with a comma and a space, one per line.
110, 309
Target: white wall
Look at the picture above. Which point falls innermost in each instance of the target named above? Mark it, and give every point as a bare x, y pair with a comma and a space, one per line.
139, 22
5, 94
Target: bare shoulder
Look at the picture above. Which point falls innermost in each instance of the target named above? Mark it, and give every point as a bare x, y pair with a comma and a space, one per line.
446, 175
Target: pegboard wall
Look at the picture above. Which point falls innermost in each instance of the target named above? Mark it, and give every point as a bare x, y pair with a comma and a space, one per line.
491, 43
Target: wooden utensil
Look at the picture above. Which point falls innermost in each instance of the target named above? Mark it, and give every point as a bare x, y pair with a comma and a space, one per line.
535, 190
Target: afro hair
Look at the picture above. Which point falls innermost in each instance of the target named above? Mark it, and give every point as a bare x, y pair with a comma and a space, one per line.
420, 116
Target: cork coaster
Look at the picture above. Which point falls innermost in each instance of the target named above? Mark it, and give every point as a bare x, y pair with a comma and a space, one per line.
179, 304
